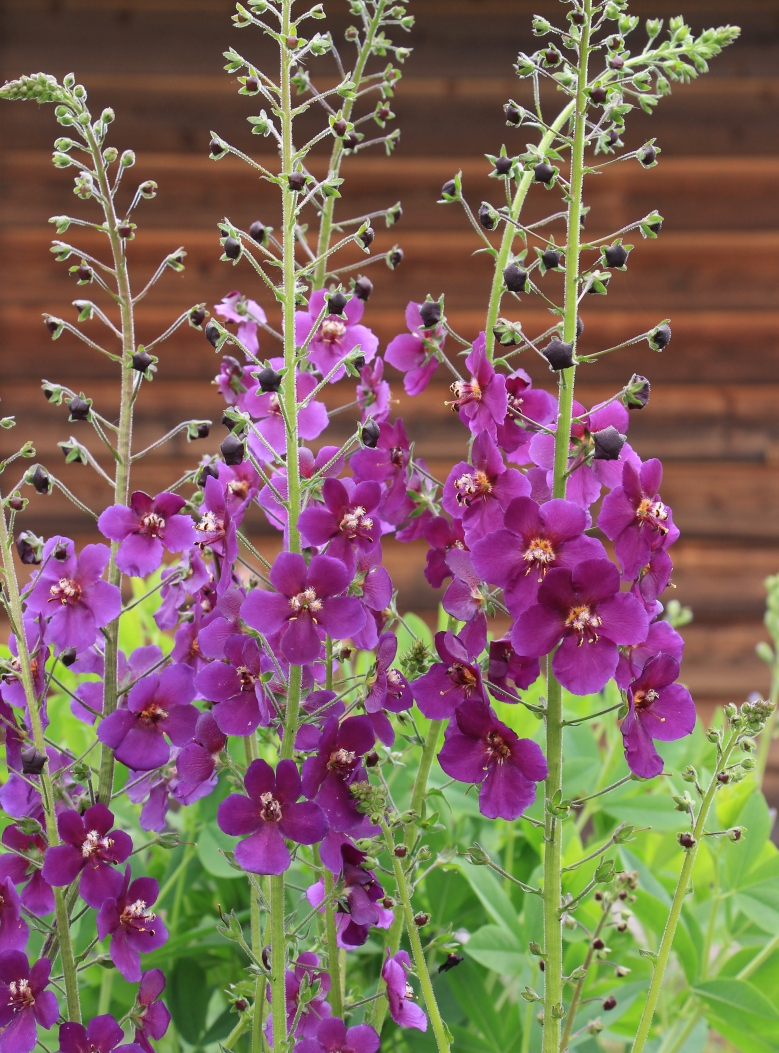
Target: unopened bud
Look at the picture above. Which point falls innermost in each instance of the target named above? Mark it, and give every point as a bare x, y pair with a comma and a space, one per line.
609, 1003
232, 449
551, 259
369, 434
16, 502
84, 273
212, 334
647, 156
488, 217
197, 316
336, 303
544, 173
513, 114
367, 236
395, 258
68, 656
40, 480
636, 392
340, 127
32, 760
558, 354
401, 851
371, 759
736, 833
660, 338
686, 840
231, 248
421, 919
141, 361
79, 409
515, 279
598, 94
430, 313
296, 181
30, 547
363, 288
608, 443
615, 256
452, 960
269, 380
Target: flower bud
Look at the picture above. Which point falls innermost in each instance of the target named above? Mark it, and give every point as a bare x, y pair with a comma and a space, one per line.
615, 255
16, 502
660, 338
748, 763
488, 217
615, 62
401, 851
723, 778
32, 760
608, 443
296, 181
558, 354
689, 774
513, 114
452, 960
421, 919
228, 422
352, 140
515, 279
430, 313
84, 273
197, 316
241, 1004
340, 127
231, 248
217, 148
544, 173
371, 759
363, 288
232, 449
212, 334
292, 42
636, 393
647, 156
269, 380
503, 165
551, 258
54, 325
598, 94
736, 833
252, 85
609, 1003
68, 656
79, 409
598, 944
395, 258
266, 957
370, 434
336, 303
686, 840
141, 361
41, 481
126, 230
367, 237
30, 547
210, 471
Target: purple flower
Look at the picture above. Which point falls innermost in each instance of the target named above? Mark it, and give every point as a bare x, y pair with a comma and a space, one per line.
414, 353
504, 665
268, 815
222, 624
148, 526
151, 1017
635, 519
373, 586
478, 748
388, 463
241, 484
229, 381
197, 761
533, 541
337, 764
153, 789
387, 688
14, 930
186, 642
333, 1036
585, 610
101, 1035
309, 466
466, 600
662, 638
37, 896
307, 602
337, 334
450, 682
481, 492
345, 522
13, 688
481, 401
524, 401
442, 536
247, 314
70, 589
216, 529
189, 577
24, 1001
659, 709
128, 672
158, 705
265, 409
399, 992
315, 1010
91, 848
360, 902
373, 393
133, 927
652, 580
236, 688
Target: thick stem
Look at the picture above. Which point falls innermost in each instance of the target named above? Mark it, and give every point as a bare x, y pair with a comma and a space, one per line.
439, 1027
47, 792
579, 989
278, 962
333, 959
675, 912
258, 1011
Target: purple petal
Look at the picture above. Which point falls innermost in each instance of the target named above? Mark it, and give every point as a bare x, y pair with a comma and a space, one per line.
586, 669
264, 852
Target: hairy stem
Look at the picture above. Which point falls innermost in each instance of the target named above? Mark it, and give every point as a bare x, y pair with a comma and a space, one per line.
579, 989
764, 745
278, 962
333, 959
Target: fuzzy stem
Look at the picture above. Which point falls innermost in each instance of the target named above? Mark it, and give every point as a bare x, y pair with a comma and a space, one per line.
579, 989
259, 990
278, 962
764, 745
47, 794
333, 959
682, 889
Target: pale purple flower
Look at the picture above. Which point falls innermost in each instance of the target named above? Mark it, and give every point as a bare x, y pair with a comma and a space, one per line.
133, 926
196, 763
480, 492
247, 314
309, 465
373, 587
183, 581
481, 401
387, 687
269, 814
230, 381
442, 536
414, 353
504, 665
101, 1035
314, 1010
336, 765
373, 393
337, 334
235, 686
584, 611
36, 896
346, 521
14, 930
387, 463
24, 1001
478, 748
186, 642
265, 409
151, 1016
527, 406
333, 1036
659, 709
91, 847
465, 599
222, 624
662, 638
403, 1010
153, 789
149, 526
634, 517
71, 592
216, 529
450, 682
13, 688
241, 484
361, 900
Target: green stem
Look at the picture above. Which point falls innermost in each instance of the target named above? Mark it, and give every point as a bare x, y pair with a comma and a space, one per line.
579, 989
259, 990
751, 967
682, 888
278, 962
439, 1028
47, 792
764, 745
333, 960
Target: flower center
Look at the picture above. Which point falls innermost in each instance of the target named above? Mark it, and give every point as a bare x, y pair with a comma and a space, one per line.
497, 748
238, 487
305, 601
153, 714
66, 591
464, 392
472, 485
248, 679
654, 513
21, 995
332, 330
210, 524
396, 456
274, 405
341, 761
94, 844
137, 916
152, 524
582, 620
644, 699
462, 676
271, 809
539, 553
355, 521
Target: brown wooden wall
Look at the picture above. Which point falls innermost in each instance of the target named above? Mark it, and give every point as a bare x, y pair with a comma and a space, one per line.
715, 270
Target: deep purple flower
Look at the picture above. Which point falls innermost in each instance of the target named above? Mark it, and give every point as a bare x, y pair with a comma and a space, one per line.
337, 764
504, 665
465, 599
478, 748
36, 896
652, 581
309, 466
315, 1010
71, 591
151, 1017
662, 638
450, 682
307, 602
387, 688
635, 519
585, 610
216, 529
133, 927
101, 1035
337, 334
387, 463
481, 401
414, 353
129, 670
148, 526
268, 815
236, 688
183, 582
265, 409
481, 492
659, 709
333, 1036
373, 587
533, 541
346, 521
16, 736
526, 406
373, 393
399, 992
359, 907
158, 705
197, 761
241, 484
153, 789
442, 536
91, 848
247, 314
186, 642
13, 688
24, 1001
222, 624
14, 930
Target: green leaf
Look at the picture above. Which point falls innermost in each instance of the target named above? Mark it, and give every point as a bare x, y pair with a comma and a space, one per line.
487, 887
473, 998
187, 998
210, 840
633, 805
735, 1000
742, 856
498, 950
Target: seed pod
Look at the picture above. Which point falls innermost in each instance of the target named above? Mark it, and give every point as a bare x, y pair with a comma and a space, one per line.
515, 279
125, 230
615, 62
68, 656
401, 851
636, 393
647, 156
340, 127
598, 944
30, 547
141, 361
232, 449
686, 840
79, 409
210, 471
421, 919
487, 216
41, 481
217, 148
608, 444
544, 173
212, 334
371, 759
197, 316
53, 324
615, 255
269, 380
558, 354
370, 434
609, 1003
551, 258
430, 313
503, 165
231, 248
257, 230
296, 181
32, 760
367, 237
363, 288
660, 338
598, 94
452, 960
336, 303
352, 140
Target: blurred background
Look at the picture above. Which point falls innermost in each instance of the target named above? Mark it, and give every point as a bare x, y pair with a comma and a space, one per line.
712, 417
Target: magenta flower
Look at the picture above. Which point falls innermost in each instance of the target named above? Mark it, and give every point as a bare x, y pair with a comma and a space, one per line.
216, 529
222, 624
533, 541
307, 602
359, 908
230, 381
241, 484
101, 1035
91, 848
129, 670
635, 519
504, 665
133, 927
478, 748
236, 688
373, 586
315, 1010
309, 466
584, 611
373, 393
151, 1016
346, 521
247, 314
466, 600
197, 761
481, 401
387, 688
71, 591
189, 577
13, 688
36, 896
158, 705
24, 1001
143, 530
388, 463
337, 334
481, 492
333, 1036
659, 709
265, 409
450, 682
442, 536
526, 406
414, 353
269, 814
337, 764
652, 580
662, 638
403, 1011
14, 930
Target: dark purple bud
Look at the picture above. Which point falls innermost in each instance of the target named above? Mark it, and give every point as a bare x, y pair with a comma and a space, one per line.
197, 316
141, 361
232, 450
79, 409
395, 258
269, 380
340, 127
551, 56
383, 113
371, 759
336, 303
577, 17
421, 919
598, 94
60, 553
686, 840
608, 444
217, 148
613, 136
579, 327
53, 324
68, 656
513, 114
202, 431
616, 62
615, 255
647, 156
430, 313
609, 1003
503, 165
212, 334
367, 236
232, 248
296, 181
598, 897
598, 944
487, 216
228, 423
358, 362
394, 214
210, 471
544, 173
252, 84
542, 965
125, 230
723, 777
32, 761
370, 434
515, 278
551, 258
352, 140
16, 502
660, 338
40, 480
241, 1005
29, 547
452, 961
363, 288
636, 392
449, 188
401, 851
84, 273
558, 354
292, 42
266, 957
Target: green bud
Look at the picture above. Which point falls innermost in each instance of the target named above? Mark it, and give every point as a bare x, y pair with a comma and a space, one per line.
535, 948
748, 763
765, 651
689, 774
